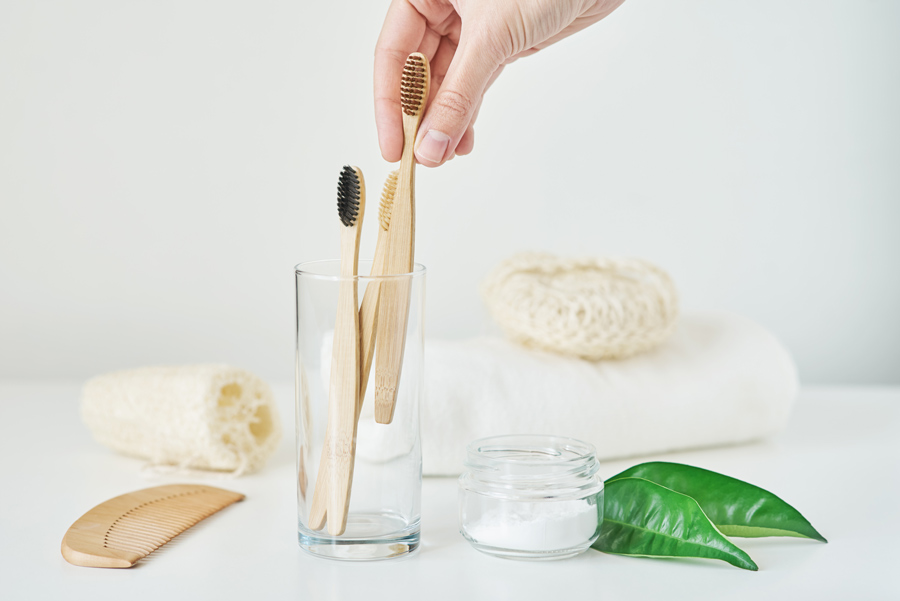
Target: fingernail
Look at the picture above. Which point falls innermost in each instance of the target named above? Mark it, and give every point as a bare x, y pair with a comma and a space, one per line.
432, 147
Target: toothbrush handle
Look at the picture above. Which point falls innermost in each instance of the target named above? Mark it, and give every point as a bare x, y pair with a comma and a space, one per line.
393, 308
368, 320
342, 406
392, 320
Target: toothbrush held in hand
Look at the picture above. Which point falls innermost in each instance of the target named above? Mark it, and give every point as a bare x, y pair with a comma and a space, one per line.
331, 498
393, 306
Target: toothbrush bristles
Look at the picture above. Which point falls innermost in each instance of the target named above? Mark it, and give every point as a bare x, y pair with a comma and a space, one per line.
348, 196
412, 84
387, 199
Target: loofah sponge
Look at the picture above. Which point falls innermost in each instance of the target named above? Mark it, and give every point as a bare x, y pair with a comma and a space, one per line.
197, 416
593, 308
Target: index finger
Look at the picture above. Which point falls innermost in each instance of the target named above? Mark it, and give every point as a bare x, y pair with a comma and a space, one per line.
401, 35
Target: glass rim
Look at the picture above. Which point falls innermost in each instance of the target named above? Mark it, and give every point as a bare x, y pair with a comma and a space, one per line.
305, 269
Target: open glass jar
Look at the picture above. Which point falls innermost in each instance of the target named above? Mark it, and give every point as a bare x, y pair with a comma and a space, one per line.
530, 496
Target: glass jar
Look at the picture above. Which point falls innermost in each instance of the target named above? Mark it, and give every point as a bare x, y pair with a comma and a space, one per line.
384, 495
530, 496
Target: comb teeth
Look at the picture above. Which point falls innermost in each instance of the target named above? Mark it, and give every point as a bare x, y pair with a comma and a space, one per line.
412, 84
348, 196
152, 524
387, 199
119, 532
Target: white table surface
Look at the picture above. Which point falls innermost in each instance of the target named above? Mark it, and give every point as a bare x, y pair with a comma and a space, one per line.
837, 462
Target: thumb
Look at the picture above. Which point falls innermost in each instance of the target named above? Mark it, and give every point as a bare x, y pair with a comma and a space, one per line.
454, 106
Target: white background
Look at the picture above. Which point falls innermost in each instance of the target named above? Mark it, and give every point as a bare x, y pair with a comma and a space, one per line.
163, 164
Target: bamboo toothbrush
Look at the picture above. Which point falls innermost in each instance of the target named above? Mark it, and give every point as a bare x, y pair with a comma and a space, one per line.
331, 498
393, 309
368, 313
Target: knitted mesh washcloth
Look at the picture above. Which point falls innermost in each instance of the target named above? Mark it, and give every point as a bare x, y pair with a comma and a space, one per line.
196, 416
593, 308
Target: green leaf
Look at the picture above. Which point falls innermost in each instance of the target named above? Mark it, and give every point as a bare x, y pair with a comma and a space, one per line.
644, 519
735, 507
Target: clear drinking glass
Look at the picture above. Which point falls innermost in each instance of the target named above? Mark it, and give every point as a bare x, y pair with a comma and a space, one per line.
385, 496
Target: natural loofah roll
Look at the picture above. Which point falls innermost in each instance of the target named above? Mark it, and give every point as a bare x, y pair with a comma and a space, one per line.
593, 308
195, 416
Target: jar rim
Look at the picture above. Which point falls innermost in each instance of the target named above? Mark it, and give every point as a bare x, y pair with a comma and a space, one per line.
531, 466
530, 450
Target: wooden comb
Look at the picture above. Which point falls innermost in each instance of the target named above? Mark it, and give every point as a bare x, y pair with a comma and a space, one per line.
119, 532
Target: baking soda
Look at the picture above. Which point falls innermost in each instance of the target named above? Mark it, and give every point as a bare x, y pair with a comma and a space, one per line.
539, 526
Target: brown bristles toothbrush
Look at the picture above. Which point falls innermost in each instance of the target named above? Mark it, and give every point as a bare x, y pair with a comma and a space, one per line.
393, 306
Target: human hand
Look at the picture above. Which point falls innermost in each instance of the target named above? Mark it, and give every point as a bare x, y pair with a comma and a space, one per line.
468, 42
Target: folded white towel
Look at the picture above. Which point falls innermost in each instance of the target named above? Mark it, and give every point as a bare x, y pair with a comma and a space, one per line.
719, 379
194, 416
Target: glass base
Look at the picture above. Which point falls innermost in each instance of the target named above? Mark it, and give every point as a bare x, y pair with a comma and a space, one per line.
364, 539
529, 555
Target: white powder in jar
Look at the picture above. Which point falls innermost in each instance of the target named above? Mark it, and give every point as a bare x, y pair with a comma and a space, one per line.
537, 526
